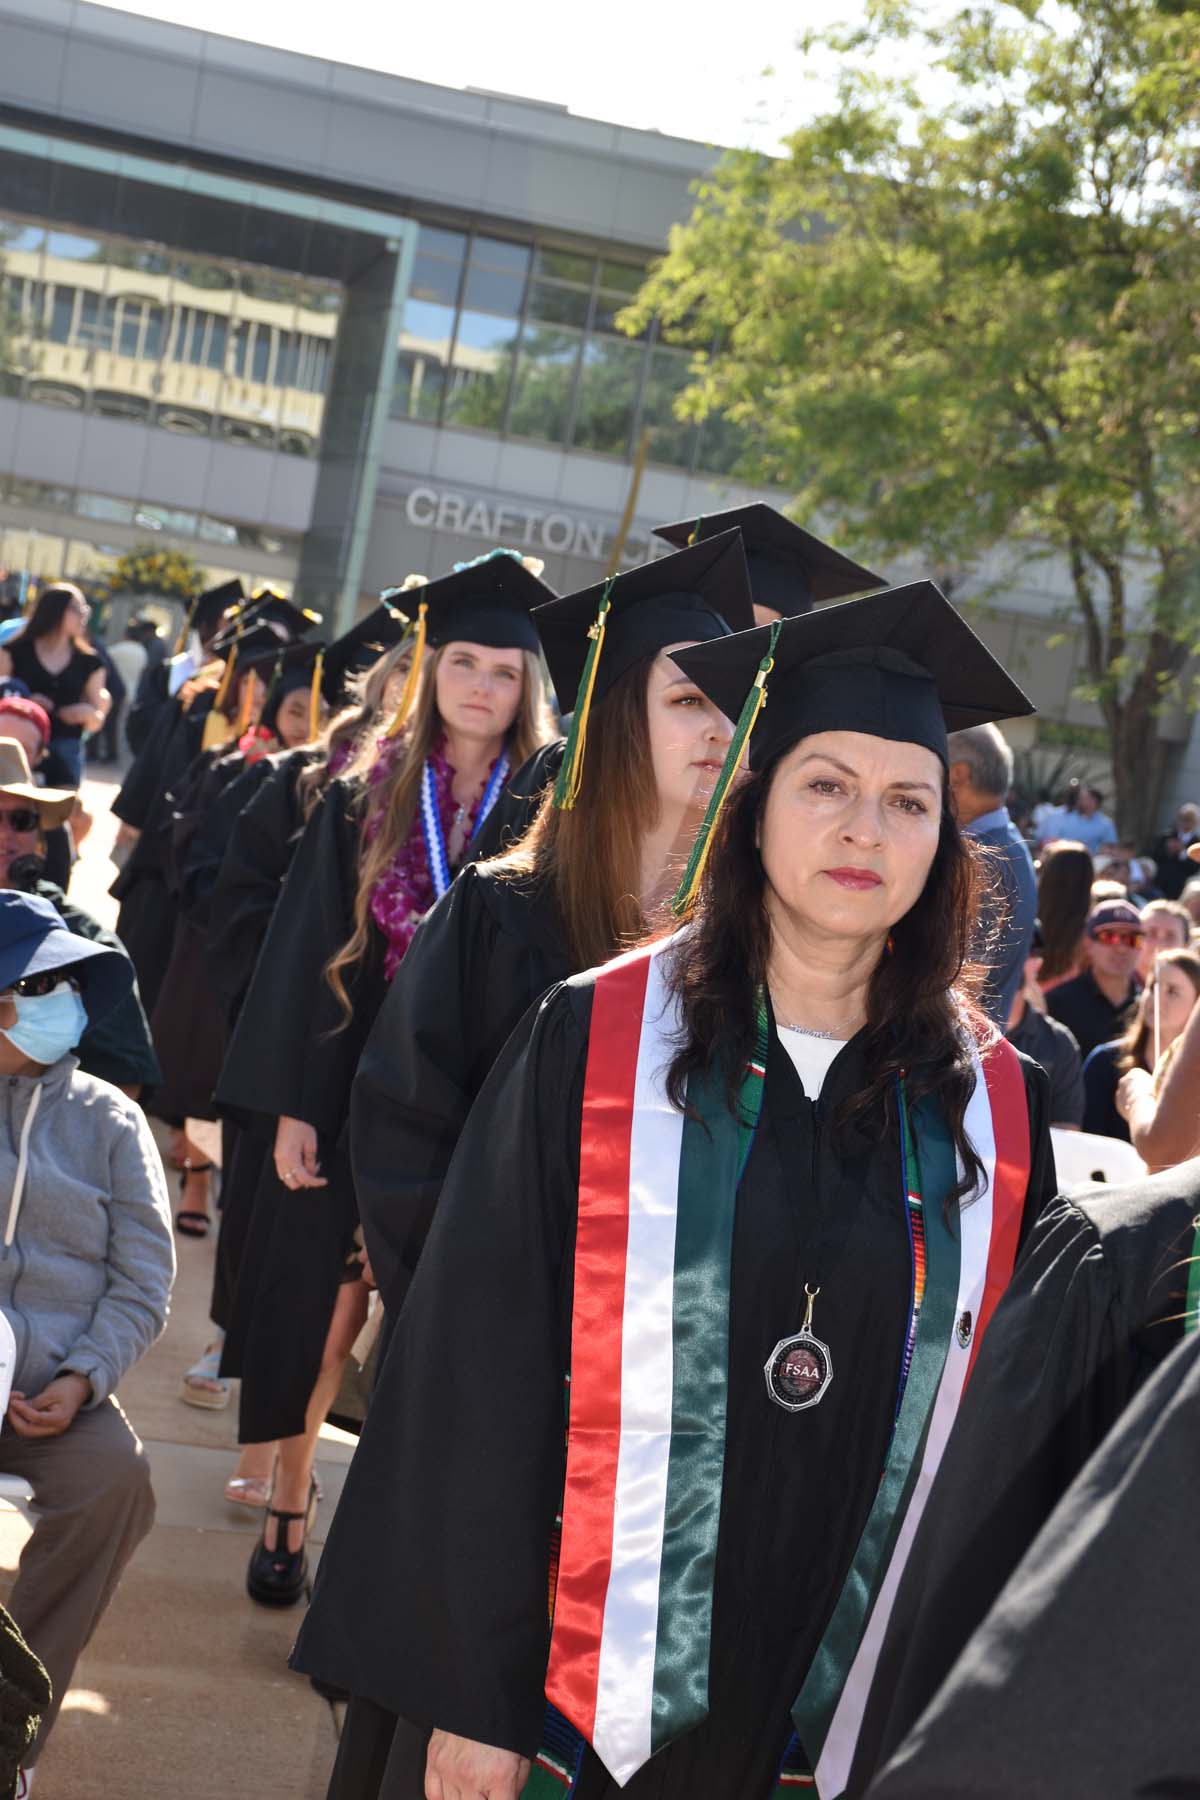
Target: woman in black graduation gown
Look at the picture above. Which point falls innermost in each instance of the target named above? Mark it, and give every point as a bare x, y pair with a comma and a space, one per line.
1094, 1309
727, 1539
1082, 1680
380, 845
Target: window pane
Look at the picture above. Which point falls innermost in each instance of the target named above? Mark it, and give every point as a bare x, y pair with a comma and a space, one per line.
623, 278
672, 440
433, 241
494, 291
546, 366
424, 358
721, 444
217, 336
67, 247
564, 265
25, 239
102, 506
261, 363
433, 279
608, 305
497, 253
479, 375
131, 327
555, 305
607, 394
61, 314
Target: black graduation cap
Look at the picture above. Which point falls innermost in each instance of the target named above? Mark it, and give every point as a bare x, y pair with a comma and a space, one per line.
204, 613
266, 607
487, 601
791, 570
366, 641
595, 636
695, 595
902, 664
299, 666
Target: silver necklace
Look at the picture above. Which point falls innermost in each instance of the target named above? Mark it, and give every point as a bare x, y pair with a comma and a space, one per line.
804, 1030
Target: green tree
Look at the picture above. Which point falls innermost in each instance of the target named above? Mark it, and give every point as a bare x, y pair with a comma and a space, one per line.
954, 322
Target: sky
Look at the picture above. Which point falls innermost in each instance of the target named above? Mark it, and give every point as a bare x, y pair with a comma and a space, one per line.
692, 68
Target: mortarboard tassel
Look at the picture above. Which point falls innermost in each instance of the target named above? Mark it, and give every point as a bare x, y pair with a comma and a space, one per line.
694, 533
314, 697
414, 674
570, 776
185, 628
756, 699
247, 700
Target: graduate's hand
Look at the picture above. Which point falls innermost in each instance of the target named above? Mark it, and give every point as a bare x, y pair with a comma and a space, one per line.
296, 1161
457, 1768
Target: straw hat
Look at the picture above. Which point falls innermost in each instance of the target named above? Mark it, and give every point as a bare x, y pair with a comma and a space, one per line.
16, 783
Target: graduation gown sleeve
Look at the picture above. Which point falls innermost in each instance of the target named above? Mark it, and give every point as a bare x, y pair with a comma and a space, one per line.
479, 959
220, 802
118, 1047
144, 780
290, 1053
1087, 1318
472, 1384
1081, 1681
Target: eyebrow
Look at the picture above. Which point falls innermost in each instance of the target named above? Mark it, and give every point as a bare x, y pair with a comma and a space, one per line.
824, 756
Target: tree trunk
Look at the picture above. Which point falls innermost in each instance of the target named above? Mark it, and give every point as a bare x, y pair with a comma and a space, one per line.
1139, 763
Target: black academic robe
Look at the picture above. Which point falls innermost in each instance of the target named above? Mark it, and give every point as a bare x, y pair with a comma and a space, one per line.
431, 1596
261, 841
291, 1054
117, 1047
146, 921
517, 806
150, 696
1093, 1309
1082, 1680
481, 957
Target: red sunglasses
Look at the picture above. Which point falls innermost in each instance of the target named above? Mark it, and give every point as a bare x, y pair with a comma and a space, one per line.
1107, 934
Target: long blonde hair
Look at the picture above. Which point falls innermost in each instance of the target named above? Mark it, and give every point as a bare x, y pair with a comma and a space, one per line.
352, 725
391, 803
590, 857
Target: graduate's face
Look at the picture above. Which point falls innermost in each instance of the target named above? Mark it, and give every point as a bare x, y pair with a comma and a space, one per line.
850, 831
479, 689
688, 736
292, 719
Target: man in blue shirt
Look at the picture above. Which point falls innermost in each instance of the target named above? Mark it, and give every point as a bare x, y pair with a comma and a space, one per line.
981, 767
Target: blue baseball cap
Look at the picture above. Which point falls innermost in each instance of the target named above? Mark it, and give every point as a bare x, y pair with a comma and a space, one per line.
34, 938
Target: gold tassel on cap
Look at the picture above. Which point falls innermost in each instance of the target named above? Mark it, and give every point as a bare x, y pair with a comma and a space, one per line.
216, 725
414, 674
755, 700
314, 697
570, 776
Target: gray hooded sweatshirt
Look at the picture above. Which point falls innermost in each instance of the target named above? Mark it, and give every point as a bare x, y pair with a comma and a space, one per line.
87, 1255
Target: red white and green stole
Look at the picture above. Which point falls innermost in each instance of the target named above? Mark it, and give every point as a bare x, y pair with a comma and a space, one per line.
629, 1653
1191, 1314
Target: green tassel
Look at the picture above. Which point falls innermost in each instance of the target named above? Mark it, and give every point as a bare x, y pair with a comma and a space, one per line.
570, 776
753, 704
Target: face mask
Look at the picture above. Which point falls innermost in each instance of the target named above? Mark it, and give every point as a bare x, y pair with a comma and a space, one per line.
48, 1025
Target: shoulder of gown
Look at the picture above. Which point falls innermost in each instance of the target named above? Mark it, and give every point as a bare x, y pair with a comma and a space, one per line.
517, 806
1093, 1308
1082, 1678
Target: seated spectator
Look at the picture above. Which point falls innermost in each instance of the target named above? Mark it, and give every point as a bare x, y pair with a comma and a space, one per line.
1047, 1042
1162, 1012
1171, 850
116, 1048
1168, 926
1094, 1006
1065, 878
981, 767
1190, 900
85, 1279
29, 725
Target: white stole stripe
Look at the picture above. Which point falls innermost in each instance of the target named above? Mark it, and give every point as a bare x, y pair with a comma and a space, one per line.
625, 1683
975, 1226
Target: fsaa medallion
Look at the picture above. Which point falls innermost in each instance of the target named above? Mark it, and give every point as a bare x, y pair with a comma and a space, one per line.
798, 1371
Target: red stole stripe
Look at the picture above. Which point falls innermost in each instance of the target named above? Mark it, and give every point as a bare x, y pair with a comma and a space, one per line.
1010, 1184
618, 1002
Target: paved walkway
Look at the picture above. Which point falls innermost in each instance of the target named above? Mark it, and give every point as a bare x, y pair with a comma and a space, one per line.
185, 1692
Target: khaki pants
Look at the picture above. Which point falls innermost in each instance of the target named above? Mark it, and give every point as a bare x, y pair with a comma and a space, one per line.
91, 1488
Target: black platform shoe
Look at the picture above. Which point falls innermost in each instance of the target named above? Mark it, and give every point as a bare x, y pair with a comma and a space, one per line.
279, 1577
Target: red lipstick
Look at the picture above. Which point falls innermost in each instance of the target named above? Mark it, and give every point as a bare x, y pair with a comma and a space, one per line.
858, 879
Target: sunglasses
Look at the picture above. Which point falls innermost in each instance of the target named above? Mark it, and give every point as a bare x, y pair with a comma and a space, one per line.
36, 987
21, 818
1132, 940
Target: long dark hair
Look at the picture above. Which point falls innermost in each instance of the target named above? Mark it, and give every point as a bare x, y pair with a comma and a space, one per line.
590, 857
50, 611
1064, 901
921, 1015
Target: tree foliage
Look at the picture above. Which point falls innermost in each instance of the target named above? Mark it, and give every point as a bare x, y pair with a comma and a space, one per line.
962, 310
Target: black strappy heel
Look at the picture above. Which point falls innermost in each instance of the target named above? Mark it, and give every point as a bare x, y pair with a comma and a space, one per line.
279, 1577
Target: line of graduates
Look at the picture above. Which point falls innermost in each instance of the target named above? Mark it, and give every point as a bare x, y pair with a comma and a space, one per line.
727, 1299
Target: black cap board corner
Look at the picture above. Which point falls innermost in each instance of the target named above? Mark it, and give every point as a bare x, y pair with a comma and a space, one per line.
791, 569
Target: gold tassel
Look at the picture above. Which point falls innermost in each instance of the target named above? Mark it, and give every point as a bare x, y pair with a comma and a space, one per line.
414, 674
756, 699
694, 533
570, 776
216, 725
247, 704
314, 698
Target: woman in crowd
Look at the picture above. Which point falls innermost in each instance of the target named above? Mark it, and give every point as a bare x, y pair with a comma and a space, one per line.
1167, 926
380, 846
764, 1291
1163, 1009
1065, 877
63, 674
